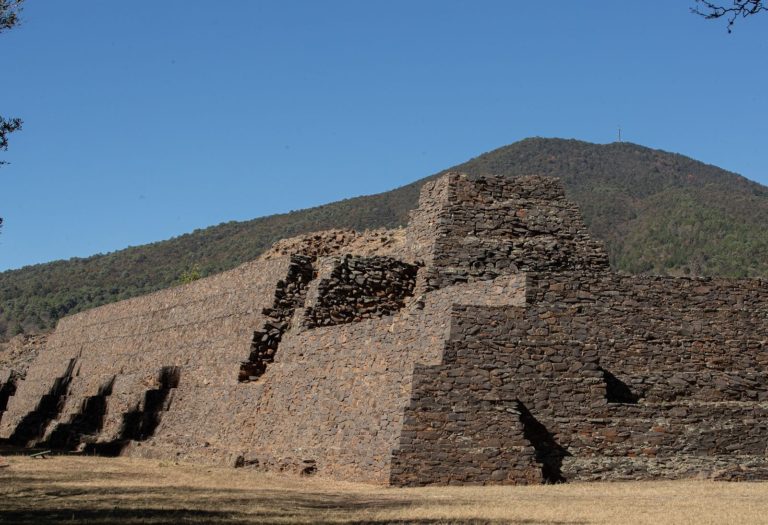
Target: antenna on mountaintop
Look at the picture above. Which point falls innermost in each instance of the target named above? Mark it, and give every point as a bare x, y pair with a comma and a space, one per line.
619, 133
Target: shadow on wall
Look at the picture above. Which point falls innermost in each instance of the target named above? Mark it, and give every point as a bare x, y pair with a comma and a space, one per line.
32, 427
617, 391
140, 424
548, 452
290, 294
7, 390
86, 423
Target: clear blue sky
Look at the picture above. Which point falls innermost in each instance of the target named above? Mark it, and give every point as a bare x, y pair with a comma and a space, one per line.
145, 120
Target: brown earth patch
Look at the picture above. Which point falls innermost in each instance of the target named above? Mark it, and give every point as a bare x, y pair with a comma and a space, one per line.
127, 491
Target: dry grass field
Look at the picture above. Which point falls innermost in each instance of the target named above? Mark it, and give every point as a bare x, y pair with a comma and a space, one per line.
74, 489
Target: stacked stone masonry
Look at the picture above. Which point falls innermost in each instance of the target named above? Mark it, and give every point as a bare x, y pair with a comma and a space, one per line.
487, 343
478, 230
361, 288
290, 294
15, 357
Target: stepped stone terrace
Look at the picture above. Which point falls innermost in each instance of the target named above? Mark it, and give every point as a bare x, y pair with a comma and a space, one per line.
486, 343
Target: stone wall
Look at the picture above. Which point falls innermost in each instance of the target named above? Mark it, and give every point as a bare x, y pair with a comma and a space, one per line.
361, 288
468, 230
668, 338
290, 294
331, 243
605, 377
16, 356
487, 343
343, 415
334, 396
204, 329
313, 404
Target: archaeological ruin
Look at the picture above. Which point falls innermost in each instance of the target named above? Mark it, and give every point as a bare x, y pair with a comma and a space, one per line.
486, 343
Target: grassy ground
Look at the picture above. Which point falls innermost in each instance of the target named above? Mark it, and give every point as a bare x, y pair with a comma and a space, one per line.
122, 491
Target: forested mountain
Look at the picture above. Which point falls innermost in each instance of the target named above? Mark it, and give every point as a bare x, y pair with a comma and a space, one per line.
657, 212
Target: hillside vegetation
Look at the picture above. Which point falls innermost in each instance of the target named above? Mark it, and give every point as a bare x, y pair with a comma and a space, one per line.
657, 212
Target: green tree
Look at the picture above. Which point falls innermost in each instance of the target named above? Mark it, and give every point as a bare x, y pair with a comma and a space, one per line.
17, 329
188, 276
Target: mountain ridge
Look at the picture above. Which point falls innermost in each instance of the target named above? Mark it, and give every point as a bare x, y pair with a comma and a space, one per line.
657, 212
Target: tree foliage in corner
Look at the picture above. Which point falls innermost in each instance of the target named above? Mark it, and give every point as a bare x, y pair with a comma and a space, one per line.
7, 126
9, 13
736, 9
9, 17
